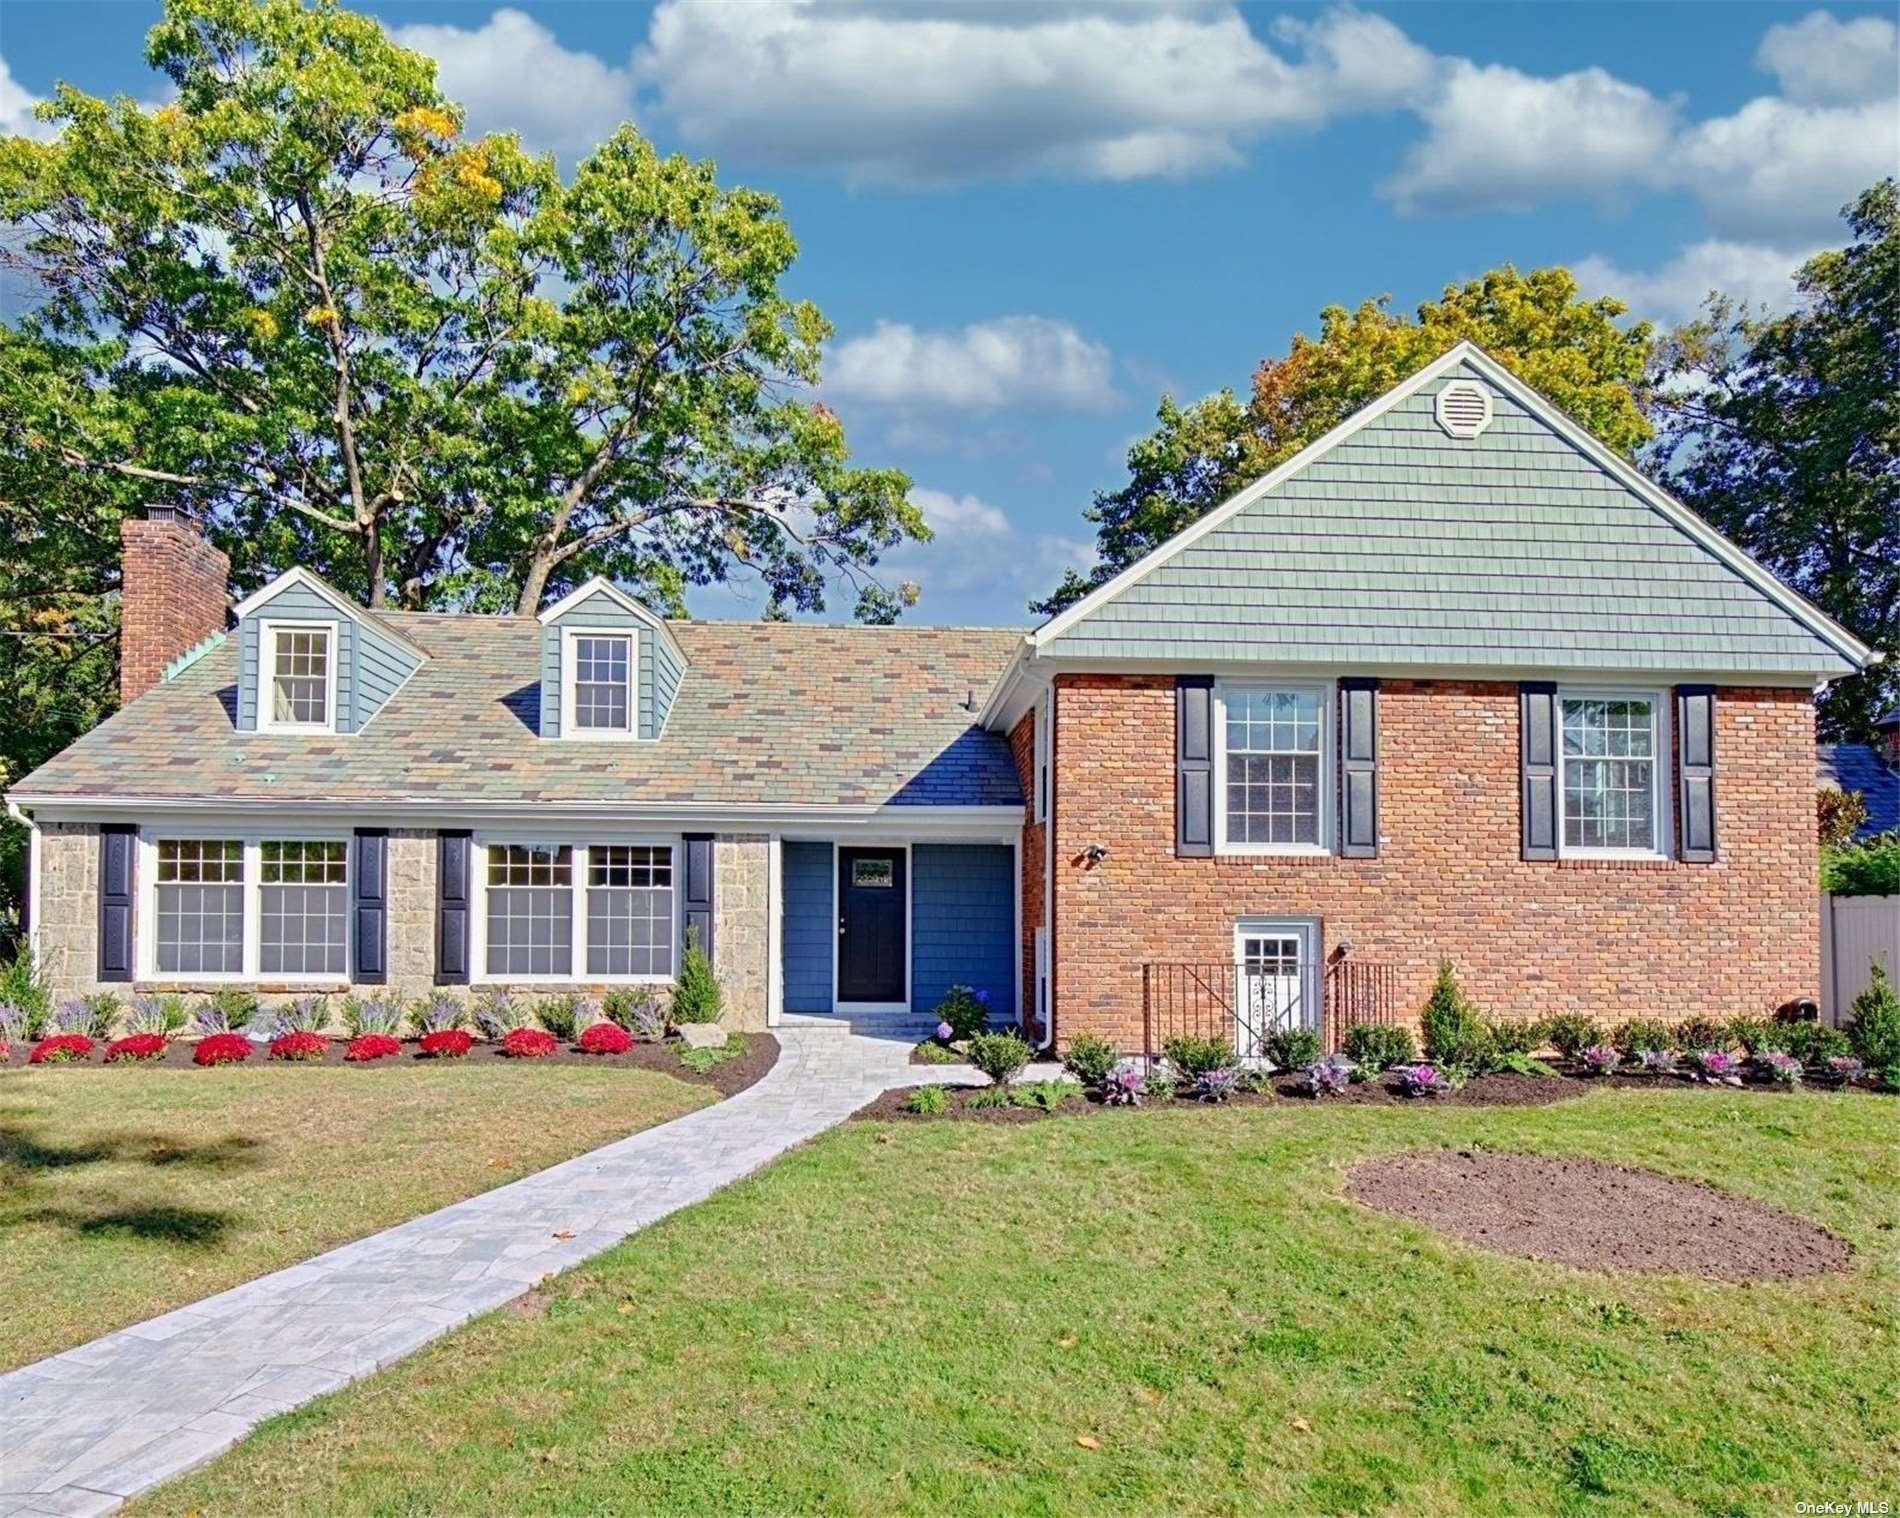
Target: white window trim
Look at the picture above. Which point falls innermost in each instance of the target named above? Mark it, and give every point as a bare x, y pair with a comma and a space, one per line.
600, 734
1661, 771
267, 630
1040, 776
580, 846
1328, 779
253, 842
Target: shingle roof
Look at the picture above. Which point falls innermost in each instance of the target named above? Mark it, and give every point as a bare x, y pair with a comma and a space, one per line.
1857, 767
768, 713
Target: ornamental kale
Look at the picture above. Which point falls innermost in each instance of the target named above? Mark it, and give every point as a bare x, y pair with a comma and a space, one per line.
1716, 1066
1782, 1069
1218, 1084
1122, 1086
1601, 1059
1330, 1076
1846, 1069
1658, 1061
1421, 1080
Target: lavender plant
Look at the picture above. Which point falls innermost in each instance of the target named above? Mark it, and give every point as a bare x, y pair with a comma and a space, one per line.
439, 1013
497, 1014
13, 1023
373, 1014
238, 1007
164, 1015
304, 1014
1218, 1084
1601, 1059
638, 1010
1330, 1076
72, 1016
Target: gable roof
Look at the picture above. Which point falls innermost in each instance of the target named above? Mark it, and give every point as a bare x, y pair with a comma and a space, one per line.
1388, 542
258, 600
768, 714
1857, 767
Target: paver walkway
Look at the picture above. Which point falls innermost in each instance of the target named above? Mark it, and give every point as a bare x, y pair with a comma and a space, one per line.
83, 1431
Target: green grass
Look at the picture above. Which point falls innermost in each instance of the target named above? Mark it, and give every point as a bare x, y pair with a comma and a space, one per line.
127, 1192
699, 1061
927, 1318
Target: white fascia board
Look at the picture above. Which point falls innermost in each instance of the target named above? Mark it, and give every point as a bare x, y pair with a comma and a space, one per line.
1085, 664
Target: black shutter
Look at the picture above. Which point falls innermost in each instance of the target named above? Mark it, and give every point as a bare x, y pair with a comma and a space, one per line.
118, 851
451, 909
1359, 768
1695, 767
1537, 706
369, 900
697, 916
1194, 764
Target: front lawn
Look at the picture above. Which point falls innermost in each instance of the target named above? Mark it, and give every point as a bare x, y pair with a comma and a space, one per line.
1173, 1311
125, 1192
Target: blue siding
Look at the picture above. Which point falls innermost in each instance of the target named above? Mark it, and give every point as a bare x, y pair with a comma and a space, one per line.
659, 664
382, 664
807, 879
297, 603
963, 924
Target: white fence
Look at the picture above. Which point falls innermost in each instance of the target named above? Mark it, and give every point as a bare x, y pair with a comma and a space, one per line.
1856, 931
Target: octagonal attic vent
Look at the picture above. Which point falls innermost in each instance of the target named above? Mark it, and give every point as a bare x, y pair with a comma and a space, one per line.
1463, 408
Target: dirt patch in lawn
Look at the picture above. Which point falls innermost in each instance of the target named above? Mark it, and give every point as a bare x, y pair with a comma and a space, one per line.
1595, 1216
727, 1078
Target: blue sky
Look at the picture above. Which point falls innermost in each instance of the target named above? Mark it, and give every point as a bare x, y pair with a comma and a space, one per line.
1027, 221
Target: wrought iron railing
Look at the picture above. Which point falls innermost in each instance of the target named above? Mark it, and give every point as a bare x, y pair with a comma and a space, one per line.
1220, 999
1359, 991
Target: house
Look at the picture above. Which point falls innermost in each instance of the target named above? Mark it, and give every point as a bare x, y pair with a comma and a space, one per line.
1454, 682
1872, 771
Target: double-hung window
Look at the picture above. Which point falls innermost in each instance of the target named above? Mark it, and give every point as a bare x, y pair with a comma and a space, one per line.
600, 689
303, 907
199, 898
250, 908
299, 676
1275, 762
1611, 795
598, 911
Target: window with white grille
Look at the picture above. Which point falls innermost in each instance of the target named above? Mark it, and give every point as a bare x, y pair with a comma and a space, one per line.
303, 907
199, 897
1274, 743
1610, 792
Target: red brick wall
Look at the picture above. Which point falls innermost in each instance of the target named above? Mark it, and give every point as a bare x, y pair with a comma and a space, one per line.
174, 596
1022, 745
1612, 939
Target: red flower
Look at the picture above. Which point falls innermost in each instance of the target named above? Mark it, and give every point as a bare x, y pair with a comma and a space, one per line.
60, 1048
299, 1046
529, 1043
221, 1049
450, 1043
6, 1051
138, 1046
368, 1046
605, 1038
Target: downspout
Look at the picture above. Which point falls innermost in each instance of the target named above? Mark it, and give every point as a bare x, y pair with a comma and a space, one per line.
32, 900
1049, 882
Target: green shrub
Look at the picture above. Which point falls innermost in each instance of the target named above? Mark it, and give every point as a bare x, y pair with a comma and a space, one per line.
102, 1013
1701, 1033
1000, 1056
1504, 1038
22, 985
561, 1015
1292, 1048
927, 1100
1089, 1059
1759, 1035
1194, 1056
696, 994
1570, 1033
1521, 1064
1633, 1035
1871, 868
1873, 1024
933, 1053
1376, 1046
1160, 1084
1454, 1034
636, 1009
966, 1011
1814, 1044
1045, 1095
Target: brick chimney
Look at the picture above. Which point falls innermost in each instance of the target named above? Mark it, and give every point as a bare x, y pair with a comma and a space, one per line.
174, 595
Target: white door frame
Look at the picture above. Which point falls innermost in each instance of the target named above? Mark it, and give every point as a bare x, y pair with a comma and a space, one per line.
1306, 932
859, 1008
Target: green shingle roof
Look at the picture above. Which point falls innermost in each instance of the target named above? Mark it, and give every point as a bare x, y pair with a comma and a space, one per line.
767, 714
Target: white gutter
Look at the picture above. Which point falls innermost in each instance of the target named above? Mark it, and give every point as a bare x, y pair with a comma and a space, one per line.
15, 811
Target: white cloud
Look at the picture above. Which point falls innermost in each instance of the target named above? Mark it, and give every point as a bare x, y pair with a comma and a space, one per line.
1017, 361
511, 74
1819, 60
16, 109
932, 95
1780, 171
977, 551
1504, 140
1675, 292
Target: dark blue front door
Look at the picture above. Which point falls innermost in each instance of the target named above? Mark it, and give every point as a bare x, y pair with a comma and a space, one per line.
871, 940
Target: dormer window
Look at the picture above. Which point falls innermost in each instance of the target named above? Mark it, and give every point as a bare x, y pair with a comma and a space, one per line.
600, 684
298, 676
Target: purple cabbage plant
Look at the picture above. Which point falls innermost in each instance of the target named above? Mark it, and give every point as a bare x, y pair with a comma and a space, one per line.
1843, 1067
1717, 1066
1781, 1068
1600, 1059
1330, 1076
1421, 1080
1123, 1086
1657, 1061
1218, 1084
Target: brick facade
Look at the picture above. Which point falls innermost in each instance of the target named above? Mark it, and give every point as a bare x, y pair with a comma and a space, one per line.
1613, 939
175, 595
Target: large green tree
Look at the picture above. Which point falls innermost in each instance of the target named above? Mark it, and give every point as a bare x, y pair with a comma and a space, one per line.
1784, 432
1571, 349
423, 364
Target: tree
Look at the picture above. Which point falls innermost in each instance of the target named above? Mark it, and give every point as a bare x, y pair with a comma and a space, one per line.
1784, 432
423, 364
1535, 324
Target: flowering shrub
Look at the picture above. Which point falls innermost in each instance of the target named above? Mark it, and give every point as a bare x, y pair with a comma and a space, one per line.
605, 1038
637, 1010
530, 1043
1421, 1080
1218, 1084
301, 1044
440, 1013
447, 1043
1330, 1076
1658, 1061
945, 1033
59, 1049
368, 1046
497, 1014
1714, 1065
1122, 1086
1846, 1069
136, 1046
373, 1014
966, 1011
1601, 1059
221, 1049
1782, 1069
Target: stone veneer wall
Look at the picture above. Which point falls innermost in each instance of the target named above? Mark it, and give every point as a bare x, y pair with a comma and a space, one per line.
742, 908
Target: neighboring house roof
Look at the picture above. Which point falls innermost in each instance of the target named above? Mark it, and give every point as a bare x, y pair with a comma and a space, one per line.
1857, 767
767, 714
1408, 539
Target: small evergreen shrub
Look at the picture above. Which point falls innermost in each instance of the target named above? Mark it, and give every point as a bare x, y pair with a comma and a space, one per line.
927, 1101
1508, 1038
1632, 1036
23, 986
1000, 1056
1292, 1048
1814, 1044
1873, 1023
1701, 1033
563, 1015
1570, 1033
638, 1010
1758, 1035
1454, 1034
238, 1007
1193, 1056
696, 994
967, 1012
1376, 1046
1090, 1059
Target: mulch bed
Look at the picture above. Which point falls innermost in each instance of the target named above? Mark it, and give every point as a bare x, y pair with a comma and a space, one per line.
1503, 1088
728, 1077
1680, 1082
1595, 1216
